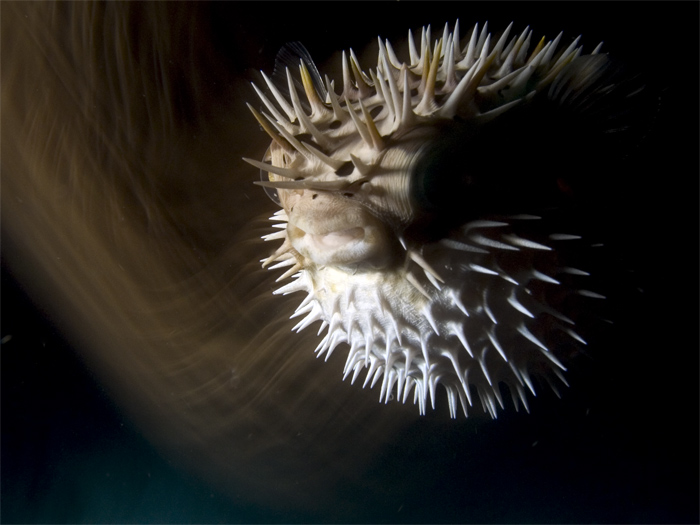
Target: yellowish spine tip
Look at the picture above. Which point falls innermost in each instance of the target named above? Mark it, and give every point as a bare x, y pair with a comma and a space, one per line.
311, 94
536, 51
266, 127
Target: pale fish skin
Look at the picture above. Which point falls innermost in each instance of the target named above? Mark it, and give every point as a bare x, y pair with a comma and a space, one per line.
472, 308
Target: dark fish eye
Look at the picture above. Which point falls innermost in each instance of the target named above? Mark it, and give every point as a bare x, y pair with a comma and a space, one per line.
271, 192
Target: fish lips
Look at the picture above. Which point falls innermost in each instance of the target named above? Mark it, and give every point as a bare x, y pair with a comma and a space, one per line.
329, 229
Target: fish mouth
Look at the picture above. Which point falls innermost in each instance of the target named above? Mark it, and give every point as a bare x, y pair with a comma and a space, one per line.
328, 231
335, 239
340, 246
341, 243
331, 222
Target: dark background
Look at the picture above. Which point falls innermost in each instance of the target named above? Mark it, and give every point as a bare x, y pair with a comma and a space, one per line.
70, 456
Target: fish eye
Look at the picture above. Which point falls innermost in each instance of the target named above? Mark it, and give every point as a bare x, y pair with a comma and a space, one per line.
271, 192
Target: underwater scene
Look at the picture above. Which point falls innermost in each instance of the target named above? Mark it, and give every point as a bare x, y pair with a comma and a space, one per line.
262, 266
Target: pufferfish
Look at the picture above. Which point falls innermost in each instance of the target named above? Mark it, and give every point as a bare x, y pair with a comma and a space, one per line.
416, 250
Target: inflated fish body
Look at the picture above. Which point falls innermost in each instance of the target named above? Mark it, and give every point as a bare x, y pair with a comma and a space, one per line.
415, 247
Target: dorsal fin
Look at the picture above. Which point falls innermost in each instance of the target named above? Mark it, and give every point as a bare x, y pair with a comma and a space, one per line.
288, 57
